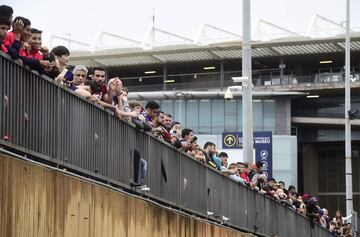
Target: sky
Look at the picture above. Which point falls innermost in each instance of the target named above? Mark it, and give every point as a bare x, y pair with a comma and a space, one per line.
133, 18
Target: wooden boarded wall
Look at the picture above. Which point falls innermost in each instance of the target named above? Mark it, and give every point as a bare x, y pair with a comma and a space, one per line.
38, 202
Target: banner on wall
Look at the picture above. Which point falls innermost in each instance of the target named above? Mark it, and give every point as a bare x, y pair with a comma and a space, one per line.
262, 146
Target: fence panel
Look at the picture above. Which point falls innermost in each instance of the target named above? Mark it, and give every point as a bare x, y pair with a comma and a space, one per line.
142, 145
164, 171
170, 174
193, 188
265, 215
290, 218
251, 209
29, 116
100, 141
154, 155
302, 225
3, 76
122, 141
83, 140
237, 200
217, 192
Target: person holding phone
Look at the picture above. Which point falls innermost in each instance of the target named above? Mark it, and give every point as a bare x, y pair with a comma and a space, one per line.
59, 71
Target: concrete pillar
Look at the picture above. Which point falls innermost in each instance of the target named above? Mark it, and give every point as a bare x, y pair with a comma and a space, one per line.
222, 74
310, 169
164, 77
283, 116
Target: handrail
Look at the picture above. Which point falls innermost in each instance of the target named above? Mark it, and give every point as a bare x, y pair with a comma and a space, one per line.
56, 126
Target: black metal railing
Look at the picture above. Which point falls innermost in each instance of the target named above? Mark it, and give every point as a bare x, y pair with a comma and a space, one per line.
52, 124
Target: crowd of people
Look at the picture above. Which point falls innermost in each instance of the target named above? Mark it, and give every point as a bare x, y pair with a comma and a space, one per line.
24, 45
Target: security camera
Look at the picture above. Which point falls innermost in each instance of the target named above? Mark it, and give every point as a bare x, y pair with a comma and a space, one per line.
353, 113
240, 79
228, 95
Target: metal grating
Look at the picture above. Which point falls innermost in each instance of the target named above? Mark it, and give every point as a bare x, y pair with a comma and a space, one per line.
227, 53
354, 45
136, 60
183, 57
262, 52
307, 49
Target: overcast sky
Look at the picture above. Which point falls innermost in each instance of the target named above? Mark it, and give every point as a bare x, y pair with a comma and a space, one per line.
133, 18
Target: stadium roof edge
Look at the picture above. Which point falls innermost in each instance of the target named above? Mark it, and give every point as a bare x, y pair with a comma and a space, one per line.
228, 50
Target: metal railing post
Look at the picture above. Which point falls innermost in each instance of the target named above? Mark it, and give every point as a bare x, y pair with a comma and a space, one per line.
58, 136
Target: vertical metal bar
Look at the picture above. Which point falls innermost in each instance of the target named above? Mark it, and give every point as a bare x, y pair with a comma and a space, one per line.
2, 72
164, 77
348, 169
180, 181
282, 66
3, 75
58, 123
247, 91
222, 74
108, 154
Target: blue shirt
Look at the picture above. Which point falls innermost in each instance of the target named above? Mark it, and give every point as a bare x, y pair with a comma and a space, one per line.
217, 160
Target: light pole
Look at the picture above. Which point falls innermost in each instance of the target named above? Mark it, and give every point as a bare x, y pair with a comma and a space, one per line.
180, 95
348, 169
245, 84
247, 105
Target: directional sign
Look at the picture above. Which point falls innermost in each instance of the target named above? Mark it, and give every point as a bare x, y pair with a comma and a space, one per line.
262, 146
230, 140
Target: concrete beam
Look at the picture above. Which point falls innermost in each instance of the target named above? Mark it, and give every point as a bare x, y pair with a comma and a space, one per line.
323, 121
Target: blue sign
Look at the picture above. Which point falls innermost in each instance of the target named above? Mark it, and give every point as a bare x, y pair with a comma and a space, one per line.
262, 146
